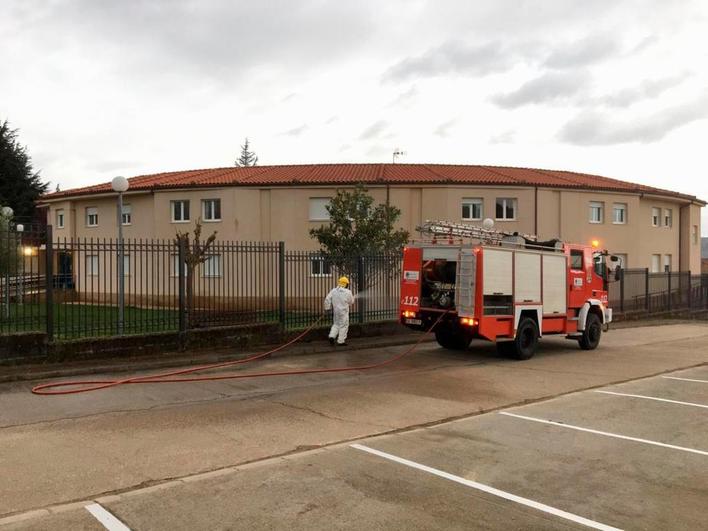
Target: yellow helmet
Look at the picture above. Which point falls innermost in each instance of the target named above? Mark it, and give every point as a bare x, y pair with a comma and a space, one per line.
343, 281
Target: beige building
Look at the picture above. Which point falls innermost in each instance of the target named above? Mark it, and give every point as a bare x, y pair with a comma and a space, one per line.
648, 227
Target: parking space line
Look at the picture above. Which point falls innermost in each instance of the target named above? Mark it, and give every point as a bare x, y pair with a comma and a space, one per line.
605, 433
685, 379
486, 488
705, 406
109, 521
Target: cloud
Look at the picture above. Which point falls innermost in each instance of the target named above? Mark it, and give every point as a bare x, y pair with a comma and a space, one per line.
597, 129
296, 131
506, 137
549, 87
649, 88
374, 130
591, 49
452, 57
443, 129
405, 98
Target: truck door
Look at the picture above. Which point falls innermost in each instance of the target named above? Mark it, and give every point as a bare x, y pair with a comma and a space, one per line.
576, 278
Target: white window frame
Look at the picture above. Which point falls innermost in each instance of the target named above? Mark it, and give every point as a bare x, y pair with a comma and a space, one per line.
619, 207
91, 211
668, 218
323, 265
211, 267
505, 204
668, 259
599, 208
126, 214
182, 202
60, 218
126, 265
656, 260
624, 259
471, 202
92, 265
313, 214
213, 201
655, 217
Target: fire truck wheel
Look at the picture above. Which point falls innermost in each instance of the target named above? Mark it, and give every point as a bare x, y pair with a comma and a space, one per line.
592, 333
450, 340
526, 341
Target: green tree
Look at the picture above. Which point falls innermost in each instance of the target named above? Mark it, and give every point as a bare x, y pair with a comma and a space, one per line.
247, 157
357, 227
20, 185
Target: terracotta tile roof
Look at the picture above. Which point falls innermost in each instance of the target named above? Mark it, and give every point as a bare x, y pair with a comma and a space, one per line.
347, 174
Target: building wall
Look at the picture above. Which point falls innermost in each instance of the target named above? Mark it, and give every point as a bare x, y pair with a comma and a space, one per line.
282, 213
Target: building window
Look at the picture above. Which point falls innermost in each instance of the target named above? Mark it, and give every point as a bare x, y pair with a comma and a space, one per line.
667, 262
668, 217
655, 217
175, 266
126, 265
60, 218
319, 267
694, 234
506, 208
472, 209
92, 265
91, 217
211, 209
623, 260
619, 213
318, 208
576, 259
180, 211
656, 263
126, 215
597, 212
212, 266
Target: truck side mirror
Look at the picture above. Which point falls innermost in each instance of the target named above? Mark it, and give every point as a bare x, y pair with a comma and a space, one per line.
618, 273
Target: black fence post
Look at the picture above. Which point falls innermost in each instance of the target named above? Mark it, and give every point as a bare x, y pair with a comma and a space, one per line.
646, 289
49, 283
181, 256
622, 290
281, 284
668, 273
690, 287
361, 288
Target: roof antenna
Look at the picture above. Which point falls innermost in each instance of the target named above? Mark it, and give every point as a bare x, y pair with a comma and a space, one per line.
397, 153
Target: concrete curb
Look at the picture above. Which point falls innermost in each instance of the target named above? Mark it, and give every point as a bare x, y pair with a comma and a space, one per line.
174, 360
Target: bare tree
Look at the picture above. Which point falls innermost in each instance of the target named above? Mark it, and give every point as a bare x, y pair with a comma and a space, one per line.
196, 253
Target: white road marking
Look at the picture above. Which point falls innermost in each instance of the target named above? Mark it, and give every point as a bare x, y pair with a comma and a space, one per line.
486, 488
684, 379
606, 434
109, 521
652, 398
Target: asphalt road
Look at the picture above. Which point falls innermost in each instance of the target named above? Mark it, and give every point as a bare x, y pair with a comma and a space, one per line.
277, 452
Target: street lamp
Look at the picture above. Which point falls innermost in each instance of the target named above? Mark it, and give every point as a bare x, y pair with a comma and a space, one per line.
120, 185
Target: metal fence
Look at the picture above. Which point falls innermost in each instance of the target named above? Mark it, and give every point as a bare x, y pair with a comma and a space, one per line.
638, 290
71, 287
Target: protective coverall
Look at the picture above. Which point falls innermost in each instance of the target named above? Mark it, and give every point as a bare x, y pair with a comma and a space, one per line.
339, 300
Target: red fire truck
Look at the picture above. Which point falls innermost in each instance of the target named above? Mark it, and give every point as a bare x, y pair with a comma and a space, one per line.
504, 287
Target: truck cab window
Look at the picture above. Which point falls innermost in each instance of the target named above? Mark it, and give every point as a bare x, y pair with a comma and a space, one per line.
576, 259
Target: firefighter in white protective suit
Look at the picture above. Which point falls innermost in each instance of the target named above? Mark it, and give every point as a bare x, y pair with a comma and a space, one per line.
339, 300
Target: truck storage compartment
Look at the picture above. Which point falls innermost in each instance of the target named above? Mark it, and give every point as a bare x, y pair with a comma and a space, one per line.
498, 282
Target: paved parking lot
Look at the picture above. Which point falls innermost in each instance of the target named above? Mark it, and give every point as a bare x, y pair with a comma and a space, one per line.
630, 456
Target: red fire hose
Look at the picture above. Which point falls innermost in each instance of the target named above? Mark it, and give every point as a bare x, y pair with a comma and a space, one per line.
85, 386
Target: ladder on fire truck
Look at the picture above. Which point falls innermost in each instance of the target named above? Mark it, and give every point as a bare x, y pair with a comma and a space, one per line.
451, 229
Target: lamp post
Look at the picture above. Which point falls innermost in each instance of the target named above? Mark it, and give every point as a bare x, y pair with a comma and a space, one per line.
7, 213
120, 185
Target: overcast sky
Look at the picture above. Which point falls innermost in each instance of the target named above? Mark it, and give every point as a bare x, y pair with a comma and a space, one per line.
100, 88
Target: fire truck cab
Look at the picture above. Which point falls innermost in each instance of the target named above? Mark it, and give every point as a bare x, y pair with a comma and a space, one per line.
503, 287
